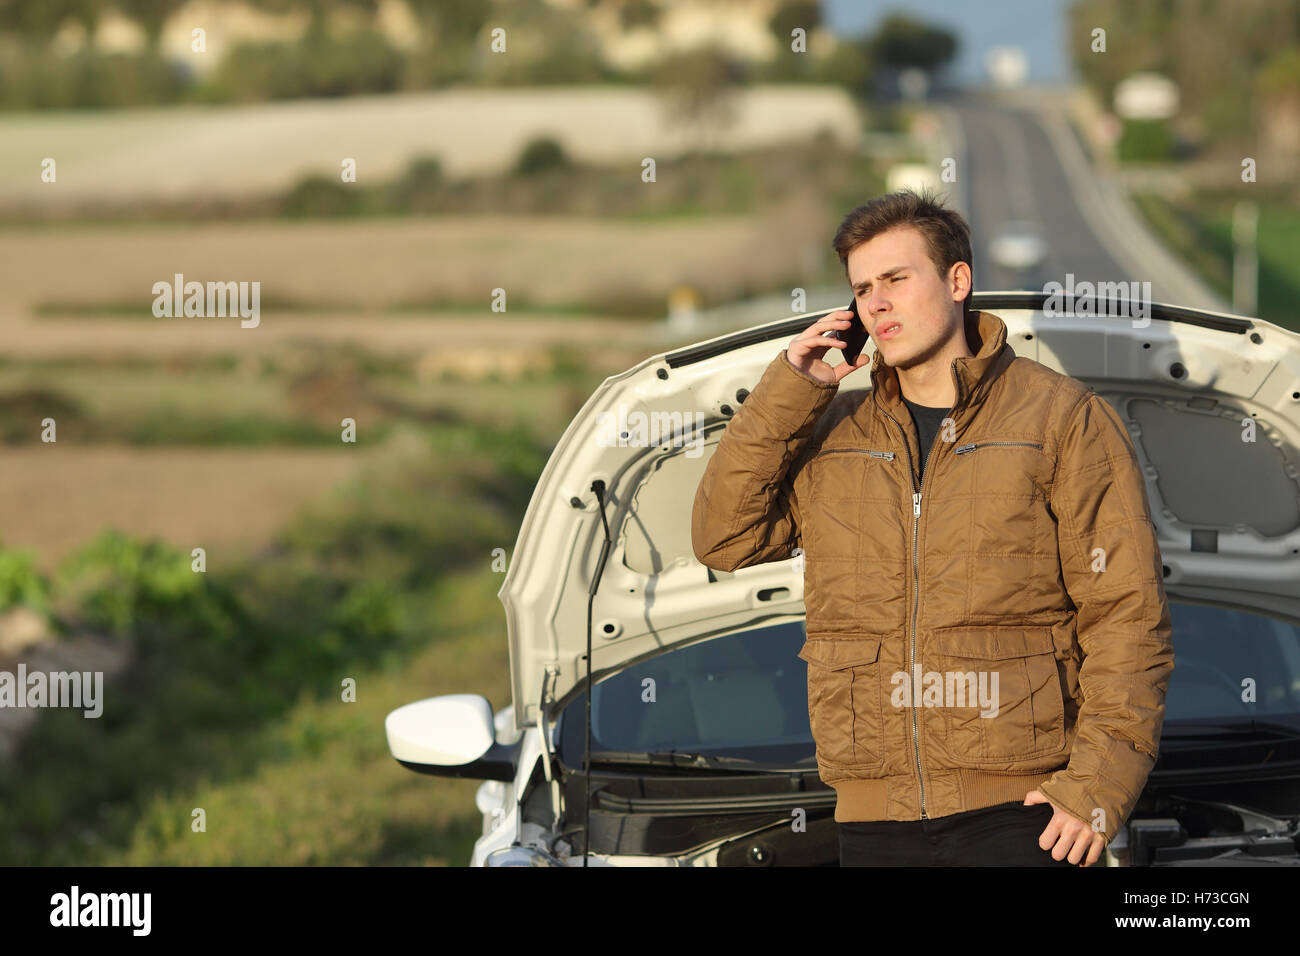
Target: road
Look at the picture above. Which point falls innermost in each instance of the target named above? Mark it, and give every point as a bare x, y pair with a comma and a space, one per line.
1020, 158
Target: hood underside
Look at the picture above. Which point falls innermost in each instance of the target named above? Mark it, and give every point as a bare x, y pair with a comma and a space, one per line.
1189, 384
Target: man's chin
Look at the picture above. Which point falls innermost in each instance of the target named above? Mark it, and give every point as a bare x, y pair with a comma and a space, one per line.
899, 358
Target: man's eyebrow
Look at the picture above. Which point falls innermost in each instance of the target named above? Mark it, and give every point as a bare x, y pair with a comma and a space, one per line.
859, 286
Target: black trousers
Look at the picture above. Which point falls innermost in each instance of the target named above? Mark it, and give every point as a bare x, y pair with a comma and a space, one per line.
1002, 835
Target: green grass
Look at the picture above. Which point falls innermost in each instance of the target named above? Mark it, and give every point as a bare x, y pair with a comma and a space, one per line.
232, 700
327, 792
1279, 267
1200, 230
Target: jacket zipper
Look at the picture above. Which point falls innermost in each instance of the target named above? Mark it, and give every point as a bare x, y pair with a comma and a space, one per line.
916, 596
916, 571
887, 455
963, 449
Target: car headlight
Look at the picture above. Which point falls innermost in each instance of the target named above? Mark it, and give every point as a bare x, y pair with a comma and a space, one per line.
520, 856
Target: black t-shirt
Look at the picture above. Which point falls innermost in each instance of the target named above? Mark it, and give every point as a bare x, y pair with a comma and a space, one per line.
927, 421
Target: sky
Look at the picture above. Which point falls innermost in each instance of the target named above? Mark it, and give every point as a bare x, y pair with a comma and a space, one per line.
1036, 26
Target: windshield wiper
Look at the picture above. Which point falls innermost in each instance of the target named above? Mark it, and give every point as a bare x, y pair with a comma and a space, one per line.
690, 761
1204, 730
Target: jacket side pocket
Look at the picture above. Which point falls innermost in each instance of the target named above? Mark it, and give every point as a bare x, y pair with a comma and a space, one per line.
844, 706
1003, 707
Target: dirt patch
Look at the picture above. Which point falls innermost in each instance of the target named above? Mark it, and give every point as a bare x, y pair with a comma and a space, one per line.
54, 499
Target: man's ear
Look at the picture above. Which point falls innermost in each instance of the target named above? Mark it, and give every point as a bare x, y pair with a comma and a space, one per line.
959, 280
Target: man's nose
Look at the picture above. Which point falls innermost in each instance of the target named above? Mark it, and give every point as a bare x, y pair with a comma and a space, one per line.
876, 304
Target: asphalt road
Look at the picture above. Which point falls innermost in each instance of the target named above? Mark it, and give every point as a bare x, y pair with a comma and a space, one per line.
1022, 160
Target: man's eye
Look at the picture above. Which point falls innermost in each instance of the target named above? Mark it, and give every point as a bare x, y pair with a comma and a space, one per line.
897, 278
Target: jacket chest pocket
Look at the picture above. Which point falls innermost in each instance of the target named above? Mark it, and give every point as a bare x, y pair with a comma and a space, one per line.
1001, 485
847, 472
844, 701
1001, 696
846, 488
854, 540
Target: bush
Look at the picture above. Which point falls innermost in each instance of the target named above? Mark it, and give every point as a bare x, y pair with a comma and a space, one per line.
20, 583
318, 195
316, 65
23, 410
45, 80
1145, 141
221, 658
423, 172
541, 155
119, 585
420, 188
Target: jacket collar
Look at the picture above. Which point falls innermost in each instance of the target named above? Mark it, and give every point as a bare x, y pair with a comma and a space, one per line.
986, 335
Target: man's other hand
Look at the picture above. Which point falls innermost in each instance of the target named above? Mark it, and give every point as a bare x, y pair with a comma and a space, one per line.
1066, 834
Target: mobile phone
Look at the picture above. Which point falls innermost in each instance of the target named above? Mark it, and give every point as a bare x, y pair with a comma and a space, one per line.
855, 336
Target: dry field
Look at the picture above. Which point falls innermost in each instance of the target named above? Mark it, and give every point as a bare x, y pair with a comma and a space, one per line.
378, 264
83, 294
54, 498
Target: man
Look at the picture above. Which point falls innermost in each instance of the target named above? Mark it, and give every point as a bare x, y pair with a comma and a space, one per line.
988, 637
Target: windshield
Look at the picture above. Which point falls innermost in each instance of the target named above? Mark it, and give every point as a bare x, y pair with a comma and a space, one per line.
1224, 657
744, 696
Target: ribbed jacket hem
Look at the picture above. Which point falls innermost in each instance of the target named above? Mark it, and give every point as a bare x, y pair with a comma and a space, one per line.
867, 800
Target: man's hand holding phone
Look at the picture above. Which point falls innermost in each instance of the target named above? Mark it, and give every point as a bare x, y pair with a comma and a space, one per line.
805, 352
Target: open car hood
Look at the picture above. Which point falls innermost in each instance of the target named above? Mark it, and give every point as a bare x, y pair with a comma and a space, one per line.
1227, 511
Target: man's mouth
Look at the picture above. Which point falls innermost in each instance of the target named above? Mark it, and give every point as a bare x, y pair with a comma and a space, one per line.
887, 329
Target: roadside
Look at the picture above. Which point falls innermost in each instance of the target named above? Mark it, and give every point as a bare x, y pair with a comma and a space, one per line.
1069, 117
1188, 205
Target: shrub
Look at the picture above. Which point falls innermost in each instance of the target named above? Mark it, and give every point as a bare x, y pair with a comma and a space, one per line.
541, 155
1148, 141
318, 195
46, 80
20, 583
318, 64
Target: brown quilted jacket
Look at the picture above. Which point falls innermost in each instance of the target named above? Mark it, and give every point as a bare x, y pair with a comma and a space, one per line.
1024, 566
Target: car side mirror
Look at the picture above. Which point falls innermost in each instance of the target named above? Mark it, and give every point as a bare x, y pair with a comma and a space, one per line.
450, 736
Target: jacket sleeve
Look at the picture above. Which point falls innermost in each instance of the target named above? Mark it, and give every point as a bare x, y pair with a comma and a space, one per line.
1122, 623
745, 507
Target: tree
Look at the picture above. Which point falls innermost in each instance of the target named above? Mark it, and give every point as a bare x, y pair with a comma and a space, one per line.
902, 42
43, 19
453, 21
638, 13
1213, 49
794, 13
150, 14
699, 87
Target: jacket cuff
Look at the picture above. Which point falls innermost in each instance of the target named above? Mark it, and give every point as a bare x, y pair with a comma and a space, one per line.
1121, 772
785, 360
789, 397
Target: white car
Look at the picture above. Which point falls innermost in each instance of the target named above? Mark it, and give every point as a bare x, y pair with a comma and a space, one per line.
700, 749
1018, 245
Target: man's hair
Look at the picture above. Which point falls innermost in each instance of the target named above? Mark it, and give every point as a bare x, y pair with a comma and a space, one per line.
947, 234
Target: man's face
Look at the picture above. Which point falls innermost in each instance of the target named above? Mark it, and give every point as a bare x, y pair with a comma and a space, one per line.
896, 283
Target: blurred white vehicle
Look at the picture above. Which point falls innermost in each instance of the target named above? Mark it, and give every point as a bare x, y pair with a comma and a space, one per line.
1018, 245
1007, 67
